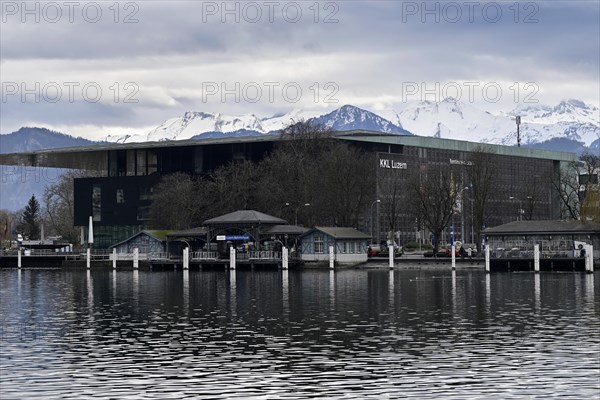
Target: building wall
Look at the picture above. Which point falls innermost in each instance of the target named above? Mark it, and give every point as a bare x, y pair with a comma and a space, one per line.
123, 198
524, 179
346, 250
145, 244
549, 243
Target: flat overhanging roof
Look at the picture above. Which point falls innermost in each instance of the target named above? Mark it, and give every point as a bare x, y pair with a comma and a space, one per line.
95, 156
458, 145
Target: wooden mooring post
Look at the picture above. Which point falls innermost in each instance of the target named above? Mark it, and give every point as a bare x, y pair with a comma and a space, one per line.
232, 257
487, 259
136, 258
536, 258
186, 258
19, 261
453, 257
284, 258
88, 258
589, 258
391, 256
331, 258
114, 258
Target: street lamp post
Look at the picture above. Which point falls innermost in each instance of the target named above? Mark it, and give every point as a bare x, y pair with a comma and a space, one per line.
472, 213
462, 214
372, 204
296, 211
520, 209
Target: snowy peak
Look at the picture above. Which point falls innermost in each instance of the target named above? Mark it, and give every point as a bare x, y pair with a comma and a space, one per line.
349, 117
451, 119
569, 110
194, 123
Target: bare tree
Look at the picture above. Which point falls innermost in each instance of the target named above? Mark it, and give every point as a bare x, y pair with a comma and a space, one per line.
565, 181
177, 202
589, 186
392, 187
481, 172
59, 205
346, 185
235, 187
435, 189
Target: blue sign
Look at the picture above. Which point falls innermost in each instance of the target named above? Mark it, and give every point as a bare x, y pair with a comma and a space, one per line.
451, 234
237, 237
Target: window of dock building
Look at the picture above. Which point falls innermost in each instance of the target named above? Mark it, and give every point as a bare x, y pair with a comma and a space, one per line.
96, 203
344, 248
319, 244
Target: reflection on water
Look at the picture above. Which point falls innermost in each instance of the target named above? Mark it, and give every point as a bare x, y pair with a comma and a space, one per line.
422, 333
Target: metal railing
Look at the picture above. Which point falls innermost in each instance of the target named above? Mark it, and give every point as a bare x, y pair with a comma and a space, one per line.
107, 255
528, 253
204, 255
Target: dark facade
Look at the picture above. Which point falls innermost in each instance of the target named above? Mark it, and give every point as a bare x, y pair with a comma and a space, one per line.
119, 201
521, 191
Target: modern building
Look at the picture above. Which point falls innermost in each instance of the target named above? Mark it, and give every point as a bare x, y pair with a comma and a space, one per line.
119, 199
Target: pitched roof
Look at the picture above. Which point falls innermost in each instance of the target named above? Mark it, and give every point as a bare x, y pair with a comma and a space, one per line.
340, 232
245, 217
544, 227
160, 235
286, 229
192, 232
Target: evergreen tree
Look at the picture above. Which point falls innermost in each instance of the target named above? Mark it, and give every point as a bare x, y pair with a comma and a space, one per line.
30, 218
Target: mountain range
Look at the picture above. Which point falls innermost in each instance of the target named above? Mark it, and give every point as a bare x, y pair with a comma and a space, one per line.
572, 120
571, 125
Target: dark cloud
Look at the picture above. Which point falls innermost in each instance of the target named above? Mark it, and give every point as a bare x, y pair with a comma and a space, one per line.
368, 48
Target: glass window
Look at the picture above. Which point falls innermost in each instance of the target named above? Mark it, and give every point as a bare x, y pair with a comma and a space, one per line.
140, 162
319, 244
152, 162
146, 193
120, 196
143, 213
96, 203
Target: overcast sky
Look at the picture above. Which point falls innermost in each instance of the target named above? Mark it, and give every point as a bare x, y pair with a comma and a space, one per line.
97, 68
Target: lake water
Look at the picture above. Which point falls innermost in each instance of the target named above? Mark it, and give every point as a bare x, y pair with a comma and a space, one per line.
411, 333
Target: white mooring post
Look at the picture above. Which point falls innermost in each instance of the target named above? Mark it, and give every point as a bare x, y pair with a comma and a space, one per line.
487, 259
453, 256
391, 256
232, 257
114, 258
186, 258
19, 258
136, 258
331, 258
589, 258
284, 257
536, 258
88, 258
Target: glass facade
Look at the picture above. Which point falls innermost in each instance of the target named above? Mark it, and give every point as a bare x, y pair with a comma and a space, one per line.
519, 190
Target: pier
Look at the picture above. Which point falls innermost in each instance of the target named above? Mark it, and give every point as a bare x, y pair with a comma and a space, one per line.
198, 259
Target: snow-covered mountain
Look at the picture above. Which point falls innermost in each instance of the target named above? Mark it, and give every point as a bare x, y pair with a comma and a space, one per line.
452, 119
200, 124
348, 117
571, 120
